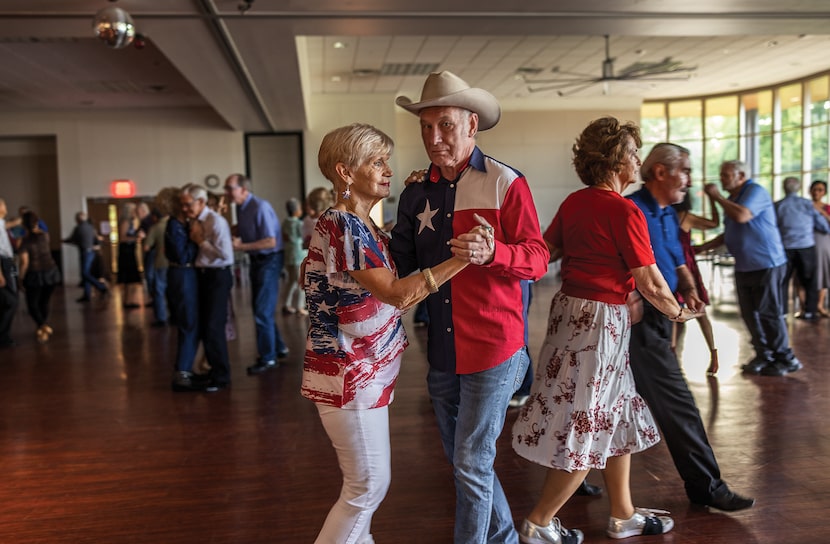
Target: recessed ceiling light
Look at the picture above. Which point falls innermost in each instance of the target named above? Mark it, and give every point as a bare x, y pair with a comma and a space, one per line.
339, 45
335, 79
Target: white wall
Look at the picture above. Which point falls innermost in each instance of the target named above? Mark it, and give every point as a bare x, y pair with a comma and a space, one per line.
160, 148
154, 148
537, 143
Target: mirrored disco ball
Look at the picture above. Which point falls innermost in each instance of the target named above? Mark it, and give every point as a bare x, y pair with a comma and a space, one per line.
114, 27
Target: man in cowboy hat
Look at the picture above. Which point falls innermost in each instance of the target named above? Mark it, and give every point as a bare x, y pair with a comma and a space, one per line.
476, 349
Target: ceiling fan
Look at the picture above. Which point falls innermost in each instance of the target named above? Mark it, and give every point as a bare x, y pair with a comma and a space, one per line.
574, 82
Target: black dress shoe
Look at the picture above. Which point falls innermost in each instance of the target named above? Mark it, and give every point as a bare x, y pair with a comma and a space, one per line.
588, 490
755, 366
791, 365
283, 354
728, 502
261, 366
214, 386
774, 369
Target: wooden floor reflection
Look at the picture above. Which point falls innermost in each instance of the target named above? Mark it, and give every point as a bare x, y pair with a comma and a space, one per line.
95, 447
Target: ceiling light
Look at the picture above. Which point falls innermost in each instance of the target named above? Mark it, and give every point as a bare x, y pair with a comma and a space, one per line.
339, 45
335, 79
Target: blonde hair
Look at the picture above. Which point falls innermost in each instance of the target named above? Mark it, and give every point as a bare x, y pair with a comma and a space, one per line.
351, 145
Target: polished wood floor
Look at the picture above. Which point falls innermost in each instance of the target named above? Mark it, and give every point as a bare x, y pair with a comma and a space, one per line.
95, 448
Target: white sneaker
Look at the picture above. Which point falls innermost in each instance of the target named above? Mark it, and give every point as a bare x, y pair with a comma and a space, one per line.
644, 522
518, 401
554, 533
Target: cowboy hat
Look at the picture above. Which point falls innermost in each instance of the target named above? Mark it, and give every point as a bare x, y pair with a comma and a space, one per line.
447, 89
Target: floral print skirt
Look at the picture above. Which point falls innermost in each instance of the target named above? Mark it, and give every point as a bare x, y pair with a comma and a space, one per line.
583, 405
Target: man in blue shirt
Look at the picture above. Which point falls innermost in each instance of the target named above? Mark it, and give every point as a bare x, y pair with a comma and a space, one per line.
259, 234
657, 374
752, 237
798, 220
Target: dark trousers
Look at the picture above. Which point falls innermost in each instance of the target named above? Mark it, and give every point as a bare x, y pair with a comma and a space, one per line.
183, 295
214, 289
87, 279
8, 307
661, 383
8, 299
37, 301
802, 262
759, 299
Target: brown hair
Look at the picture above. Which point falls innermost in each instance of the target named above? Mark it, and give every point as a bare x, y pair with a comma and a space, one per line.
600, 149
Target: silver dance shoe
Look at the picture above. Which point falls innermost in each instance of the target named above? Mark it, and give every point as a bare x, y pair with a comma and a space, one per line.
554, 533
644, 522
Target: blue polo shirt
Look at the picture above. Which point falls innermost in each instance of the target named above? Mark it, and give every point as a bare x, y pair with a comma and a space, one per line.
256, 219
756, 244
798, 219
664, 230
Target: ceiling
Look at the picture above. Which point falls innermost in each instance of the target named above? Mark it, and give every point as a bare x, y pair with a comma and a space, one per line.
257, 68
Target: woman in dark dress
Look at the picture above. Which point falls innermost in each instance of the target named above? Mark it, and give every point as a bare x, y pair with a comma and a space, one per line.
128, 236
689, 221
39, 272
181, 291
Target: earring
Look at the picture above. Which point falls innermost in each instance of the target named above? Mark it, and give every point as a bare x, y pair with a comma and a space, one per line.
347, 194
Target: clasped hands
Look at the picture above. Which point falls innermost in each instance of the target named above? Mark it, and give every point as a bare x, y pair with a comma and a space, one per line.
476, 246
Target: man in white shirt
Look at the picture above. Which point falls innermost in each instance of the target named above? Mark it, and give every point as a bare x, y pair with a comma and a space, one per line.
8, 281
211, 232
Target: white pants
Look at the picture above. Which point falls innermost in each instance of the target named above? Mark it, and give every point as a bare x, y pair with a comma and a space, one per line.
361, 440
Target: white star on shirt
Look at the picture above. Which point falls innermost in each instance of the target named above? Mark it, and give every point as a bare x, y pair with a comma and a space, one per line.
425, 217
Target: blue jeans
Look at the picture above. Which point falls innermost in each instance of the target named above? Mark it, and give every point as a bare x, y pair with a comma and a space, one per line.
87, 258
470, 411
265, 288
160, 294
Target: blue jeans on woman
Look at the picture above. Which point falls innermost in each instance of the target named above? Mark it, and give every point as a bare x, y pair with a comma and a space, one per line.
470, 410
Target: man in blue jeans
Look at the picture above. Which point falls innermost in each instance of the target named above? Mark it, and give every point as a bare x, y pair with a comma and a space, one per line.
259, 234
85, 237
476, 348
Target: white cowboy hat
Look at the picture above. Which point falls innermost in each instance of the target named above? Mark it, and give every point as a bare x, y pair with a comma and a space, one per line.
447, 89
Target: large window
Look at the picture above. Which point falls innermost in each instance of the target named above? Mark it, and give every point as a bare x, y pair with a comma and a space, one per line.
780, 131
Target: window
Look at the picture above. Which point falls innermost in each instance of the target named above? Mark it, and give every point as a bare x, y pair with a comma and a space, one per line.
780, 131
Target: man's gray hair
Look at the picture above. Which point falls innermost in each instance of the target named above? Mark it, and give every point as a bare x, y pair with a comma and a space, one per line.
197, 192
668, 154
737, 165
792, 185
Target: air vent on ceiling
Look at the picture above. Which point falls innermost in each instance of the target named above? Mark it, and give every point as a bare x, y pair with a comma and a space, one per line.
408, 68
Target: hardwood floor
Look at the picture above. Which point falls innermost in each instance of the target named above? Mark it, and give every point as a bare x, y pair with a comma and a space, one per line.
96, 448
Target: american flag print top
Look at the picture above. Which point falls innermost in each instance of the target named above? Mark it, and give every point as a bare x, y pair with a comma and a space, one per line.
355, 342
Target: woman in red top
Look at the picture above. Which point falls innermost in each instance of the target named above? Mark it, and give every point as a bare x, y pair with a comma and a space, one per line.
584, 411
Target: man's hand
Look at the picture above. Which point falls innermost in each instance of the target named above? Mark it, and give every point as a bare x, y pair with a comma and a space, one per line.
237, 243
417, 176
712, 190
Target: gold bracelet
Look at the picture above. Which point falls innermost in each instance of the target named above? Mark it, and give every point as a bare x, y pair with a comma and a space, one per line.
432, 286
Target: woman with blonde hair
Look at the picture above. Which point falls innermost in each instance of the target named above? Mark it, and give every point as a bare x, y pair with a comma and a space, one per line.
356, 338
